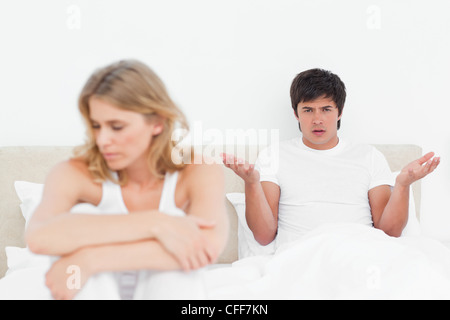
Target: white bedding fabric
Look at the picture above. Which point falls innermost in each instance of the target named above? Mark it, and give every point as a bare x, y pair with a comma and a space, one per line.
335, 261
340, 261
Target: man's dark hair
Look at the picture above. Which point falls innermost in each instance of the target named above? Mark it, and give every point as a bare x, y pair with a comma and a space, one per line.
316, 83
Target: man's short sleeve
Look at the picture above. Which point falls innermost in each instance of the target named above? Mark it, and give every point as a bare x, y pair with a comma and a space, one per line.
381, 174
267, 165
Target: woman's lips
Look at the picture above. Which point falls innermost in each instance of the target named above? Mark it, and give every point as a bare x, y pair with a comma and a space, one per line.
110, 156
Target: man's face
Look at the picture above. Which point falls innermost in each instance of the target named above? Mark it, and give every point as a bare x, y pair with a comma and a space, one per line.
318, 121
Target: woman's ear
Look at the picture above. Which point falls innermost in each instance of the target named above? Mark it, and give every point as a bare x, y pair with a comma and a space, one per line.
157, 124
158, 127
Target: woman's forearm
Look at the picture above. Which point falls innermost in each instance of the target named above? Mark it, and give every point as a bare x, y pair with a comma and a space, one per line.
140, 255
76, 268
68, 232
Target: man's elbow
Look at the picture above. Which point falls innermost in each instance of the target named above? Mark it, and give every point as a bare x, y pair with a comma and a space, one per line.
264, 239
396, 233
393, 230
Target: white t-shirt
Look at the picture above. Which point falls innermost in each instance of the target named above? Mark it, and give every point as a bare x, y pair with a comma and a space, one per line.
322, 186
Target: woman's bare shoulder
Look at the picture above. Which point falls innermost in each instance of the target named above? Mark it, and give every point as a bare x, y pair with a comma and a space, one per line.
203, 169
71, 178
73, 168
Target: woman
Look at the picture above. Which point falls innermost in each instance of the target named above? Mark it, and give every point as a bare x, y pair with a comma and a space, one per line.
177, 218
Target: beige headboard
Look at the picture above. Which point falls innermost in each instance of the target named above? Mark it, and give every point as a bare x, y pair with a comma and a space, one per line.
33, 163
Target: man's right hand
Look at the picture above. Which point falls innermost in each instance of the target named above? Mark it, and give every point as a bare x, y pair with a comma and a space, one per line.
242, 168
261, 200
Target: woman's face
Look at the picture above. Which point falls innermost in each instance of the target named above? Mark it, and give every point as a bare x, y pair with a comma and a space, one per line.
123, 137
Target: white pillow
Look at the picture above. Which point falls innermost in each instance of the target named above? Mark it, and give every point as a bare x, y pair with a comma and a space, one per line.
22, 258
247, 245
30, 195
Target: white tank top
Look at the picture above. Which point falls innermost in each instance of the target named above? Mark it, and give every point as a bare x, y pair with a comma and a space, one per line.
112, 200
112, 203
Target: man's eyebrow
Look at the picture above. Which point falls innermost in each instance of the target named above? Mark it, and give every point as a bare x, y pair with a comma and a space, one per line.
324, 107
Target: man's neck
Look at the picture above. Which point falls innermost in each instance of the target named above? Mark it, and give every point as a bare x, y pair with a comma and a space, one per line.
322, 146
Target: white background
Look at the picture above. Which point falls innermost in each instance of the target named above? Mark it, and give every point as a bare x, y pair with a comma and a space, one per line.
229, 65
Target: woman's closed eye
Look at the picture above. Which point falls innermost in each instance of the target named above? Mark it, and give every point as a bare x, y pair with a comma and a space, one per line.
117, 128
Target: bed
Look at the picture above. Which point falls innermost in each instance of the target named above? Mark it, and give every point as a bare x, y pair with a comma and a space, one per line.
29, 165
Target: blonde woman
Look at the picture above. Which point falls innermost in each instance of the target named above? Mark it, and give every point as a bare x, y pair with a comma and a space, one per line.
155, 219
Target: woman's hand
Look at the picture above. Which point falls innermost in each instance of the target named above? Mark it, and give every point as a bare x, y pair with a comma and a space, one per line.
68, 275
184, 239
417, 169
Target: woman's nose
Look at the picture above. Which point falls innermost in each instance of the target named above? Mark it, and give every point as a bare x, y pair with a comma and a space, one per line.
103, 138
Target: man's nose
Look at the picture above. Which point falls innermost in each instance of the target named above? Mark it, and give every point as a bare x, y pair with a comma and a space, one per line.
317, 118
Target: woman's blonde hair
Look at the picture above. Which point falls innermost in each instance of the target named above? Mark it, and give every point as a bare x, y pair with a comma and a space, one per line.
133, 86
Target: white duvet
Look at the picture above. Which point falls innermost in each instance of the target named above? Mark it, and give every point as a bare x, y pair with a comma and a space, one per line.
343, 261
340, 261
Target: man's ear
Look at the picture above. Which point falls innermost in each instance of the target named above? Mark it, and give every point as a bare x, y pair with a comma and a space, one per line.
296, 116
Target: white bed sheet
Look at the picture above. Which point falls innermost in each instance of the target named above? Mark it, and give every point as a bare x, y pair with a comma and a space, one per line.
340, 261
343, 261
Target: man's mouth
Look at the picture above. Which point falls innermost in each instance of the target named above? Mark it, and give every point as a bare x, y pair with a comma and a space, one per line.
318, 132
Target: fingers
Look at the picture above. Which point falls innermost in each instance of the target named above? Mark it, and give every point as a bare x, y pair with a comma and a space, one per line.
426, 158
241, 167
199, 260
195, 258
228, 159
188, 244
231, 161
432, 165
426, 167
202, 223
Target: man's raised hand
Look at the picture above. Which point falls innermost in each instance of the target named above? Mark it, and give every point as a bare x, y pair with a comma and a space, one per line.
418, 169
242, 168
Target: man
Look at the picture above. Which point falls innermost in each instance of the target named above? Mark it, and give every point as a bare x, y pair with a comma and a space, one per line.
320, 178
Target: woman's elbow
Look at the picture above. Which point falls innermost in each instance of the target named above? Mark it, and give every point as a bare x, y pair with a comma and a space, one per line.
40, 241
34, 241
219, 242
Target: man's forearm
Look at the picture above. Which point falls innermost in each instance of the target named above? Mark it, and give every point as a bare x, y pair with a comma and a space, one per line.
259, 215
395, 214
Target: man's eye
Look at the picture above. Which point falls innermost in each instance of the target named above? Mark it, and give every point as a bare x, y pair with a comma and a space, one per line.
117, 128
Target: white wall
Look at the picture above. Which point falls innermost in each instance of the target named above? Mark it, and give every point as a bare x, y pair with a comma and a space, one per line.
229, 64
